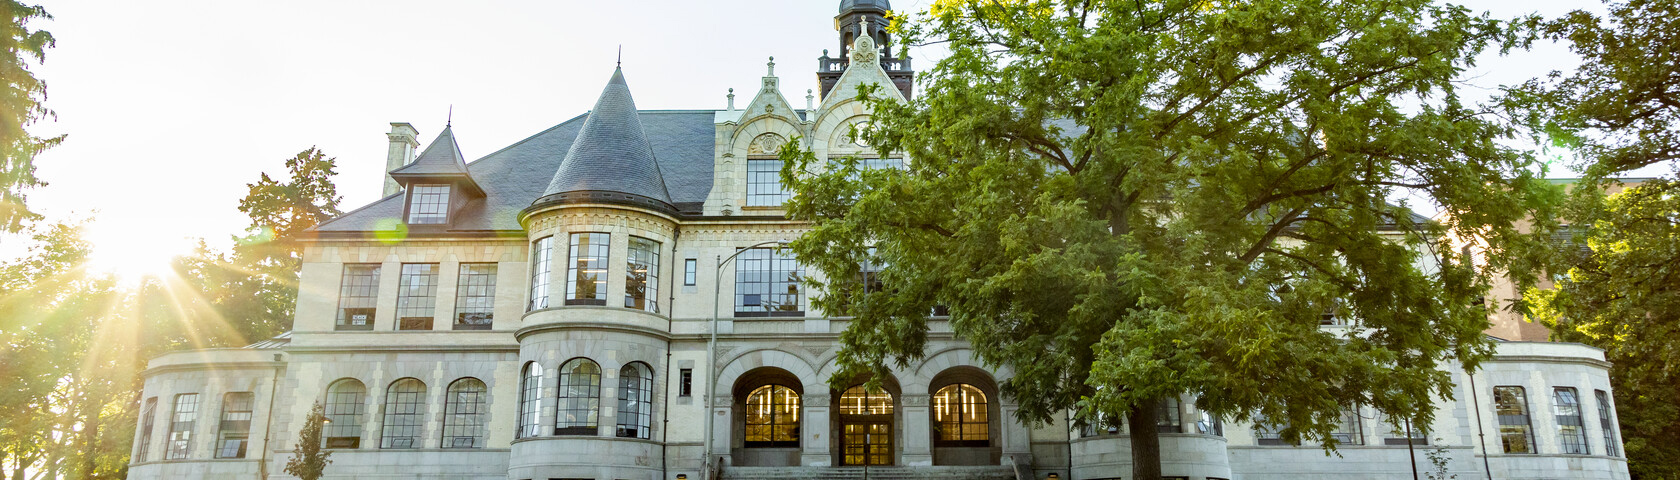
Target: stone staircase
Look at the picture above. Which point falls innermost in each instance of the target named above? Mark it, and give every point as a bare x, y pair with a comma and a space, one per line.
873, 473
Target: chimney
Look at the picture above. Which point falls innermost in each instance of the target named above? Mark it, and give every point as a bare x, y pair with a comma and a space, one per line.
400, 153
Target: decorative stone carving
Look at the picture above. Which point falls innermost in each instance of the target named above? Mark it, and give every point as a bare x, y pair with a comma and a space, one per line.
816, 350
766, 144
863, 50
914, 400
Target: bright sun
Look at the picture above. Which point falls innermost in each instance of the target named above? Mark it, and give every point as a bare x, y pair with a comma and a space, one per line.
132, 251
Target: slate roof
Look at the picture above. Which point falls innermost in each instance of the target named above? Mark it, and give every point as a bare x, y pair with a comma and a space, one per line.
518, 174
852, 5
442, 157
611, 153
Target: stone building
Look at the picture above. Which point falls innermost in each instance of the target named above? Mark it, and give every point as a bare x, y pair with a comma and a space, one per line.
548, 312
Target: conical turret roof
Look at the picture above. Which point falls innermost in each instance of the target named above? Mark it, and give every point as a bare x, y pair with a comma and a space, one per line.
611, 153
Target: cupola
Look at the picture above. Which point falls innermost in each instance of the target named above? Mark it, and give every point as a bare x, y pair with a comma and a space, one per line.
436, 184
611, 160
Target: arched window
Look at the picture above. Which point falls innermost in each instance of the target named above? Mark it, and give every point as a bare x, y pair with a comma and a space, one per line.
346, 402
635, 401
463, 414
960, 417
772, 417
580, 398
530, 399
405, 413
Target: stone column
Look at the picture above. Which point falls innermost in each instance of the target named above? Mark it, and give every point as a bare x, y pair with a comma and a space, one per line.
815, 431
400, 153
1017, 438
917, 437
721, 425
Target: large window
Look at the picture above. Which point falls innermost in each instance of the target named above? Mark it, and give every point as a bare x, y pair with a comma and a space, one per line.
1399, 431
358, 293
475, 296
148, 413
542, 257
772, 417
463, 414
1566, 409
641, 276
1351, 431
1169, 419
346, 402
1605, 423
181, 424
1516, 433
961, 417
580, 398
586, 273
405, 414
428, 204
1268, 431
635, 401
859, 401
417, 296
236, 425
767, 284
764, 183
530, 399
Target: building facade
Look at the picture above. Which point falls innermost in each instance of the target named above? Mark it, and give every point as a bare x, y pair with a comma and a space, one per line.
555, 310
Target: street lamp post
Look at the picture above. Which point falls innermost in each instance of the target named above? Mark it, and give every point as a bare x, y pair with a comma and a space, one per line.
711, 344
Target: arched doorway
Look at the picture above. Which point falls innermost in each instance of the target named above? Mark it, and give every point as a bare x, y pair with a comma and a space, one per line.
767, 412
866, 420
965, 417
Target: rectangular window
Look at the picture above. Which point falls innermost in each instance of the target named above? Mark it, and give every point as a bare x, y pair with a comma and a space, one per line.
417, 296
1398, 431
641, 275
181, 423
685, 383
1605, 424
428, 204
148, 413
475, 296
1169, 420
586, 273
1268, 432
764, 183
691, 267
236, 425
1566, 409
358, 293
767, 284
1352, 429
542, 259
1516, 433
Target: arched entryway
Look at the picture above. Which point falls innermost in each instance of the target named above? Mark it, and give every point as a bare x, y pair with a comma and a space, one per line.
866, 425
767, 411
965, 417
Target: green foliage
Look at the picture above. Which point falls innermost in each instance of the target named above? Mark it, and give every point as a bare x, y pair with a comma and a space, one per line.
1122, 201
1622, 294
1619, 109
67, 358
310, 460
21, 95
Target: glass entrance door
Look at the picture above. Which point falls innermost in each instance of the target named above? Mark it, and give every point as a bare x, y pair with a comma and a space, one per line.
867, 443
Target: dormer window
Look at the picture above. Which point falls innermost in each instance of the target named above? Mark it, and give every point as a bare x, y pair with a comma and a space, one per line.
428, 205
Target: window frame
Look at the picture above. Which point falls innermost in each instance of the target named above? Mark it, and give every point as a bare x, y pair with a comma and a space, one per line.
638, 257
782, 412
965, 412
691, 271
241, 433
416, 295
148, 417
764, 187
1570, 443
464, 415
635, 401
1607, 423
358, 295
344, 421
475, 294
578, 392
598, 276
1170, 416
542, 269
530, 401
417, 199
403, 418
181, 431
685, 382
1501, 394
775, 266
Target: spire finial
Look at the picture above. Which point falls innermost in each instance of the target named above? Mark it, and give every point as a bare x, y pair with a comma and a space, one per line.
731, 99
449, 120
772, 66
620, 55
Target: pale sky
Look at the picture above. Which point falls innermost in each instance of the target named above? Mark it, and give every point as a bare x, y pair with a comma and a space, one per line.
172, 107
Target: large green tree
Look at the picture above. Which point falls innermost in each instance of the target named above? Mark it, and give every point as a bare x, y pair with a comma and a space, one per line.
1619, 289
21, 95
1125, 201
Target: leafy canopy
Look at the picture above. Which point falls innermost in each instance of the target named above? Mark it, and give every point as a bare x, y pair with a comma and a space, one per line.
21, 95
1123, 201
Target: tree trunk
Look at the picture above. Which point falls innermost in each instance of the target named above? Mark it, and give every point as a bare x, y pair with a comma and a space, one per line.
1146, 441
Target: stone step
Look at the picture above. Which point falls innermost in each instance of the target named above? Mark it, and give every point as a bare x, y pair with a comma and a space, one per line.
872, 473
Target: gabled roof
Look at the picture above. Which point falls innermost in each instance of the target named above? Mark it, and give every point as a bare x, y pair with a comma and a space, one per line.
442, 159
611, 153
518, 174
